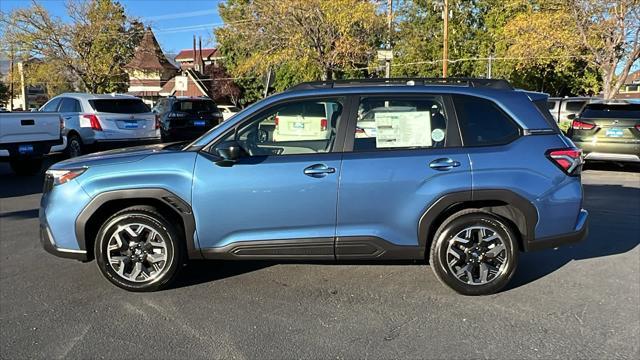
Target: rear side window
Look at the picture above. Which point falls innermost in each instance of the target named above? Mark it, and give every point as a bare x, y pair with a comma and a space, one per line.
52, 105
119, 106
618, 111
482, 123
70, 105
574, 106
387, 123
195, 106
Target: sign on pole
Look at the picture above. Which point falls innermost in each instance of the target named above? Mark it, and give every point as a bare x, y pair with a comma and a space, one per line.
181, 83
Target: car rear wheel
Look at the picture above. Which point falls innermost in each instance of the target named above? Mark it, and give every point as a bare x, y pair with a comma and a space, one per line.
74, 146
137, 249
474, 252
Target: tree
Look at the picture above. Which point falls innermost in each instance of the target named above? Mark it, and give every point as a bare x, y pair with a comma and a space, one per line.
327, 37
4, 94
92, 48
223, 87
610, 31
595, 38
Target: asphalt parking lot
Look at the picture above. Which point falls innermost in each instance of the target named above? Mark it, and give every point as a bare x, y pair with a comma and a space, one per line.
581, 301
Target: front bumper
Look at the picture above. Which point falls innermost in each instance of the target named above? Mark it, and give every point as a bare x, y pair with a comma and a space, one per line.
580, 233
46, 239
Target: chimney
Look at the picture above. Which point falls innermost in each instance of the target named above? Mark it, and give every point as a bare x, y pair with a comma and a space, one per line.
194, 53
200, 55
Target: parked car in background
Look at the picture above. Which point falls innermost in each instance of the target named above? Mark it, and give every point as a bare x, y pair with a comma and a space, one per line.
25, 137
561, 108
92, 120
608, 131
308, 121
186, 118
228, 111
472, 176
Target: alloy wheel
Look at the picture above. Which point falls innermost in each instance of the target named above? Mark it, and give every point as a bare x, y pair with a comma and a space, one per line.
477, 255
137, 252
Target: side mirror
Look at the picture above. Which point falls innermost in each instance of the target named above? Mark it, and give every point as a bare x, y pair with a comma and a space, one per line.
571, 116
230, 151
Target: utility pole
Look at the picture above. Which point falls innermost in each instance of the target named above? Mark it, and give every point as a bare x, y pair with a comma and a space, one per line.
445, 48
23, 87
387, 68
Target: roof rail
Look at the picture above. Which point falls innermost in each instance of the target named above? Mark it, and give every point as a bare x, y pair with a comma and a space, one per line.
470, 82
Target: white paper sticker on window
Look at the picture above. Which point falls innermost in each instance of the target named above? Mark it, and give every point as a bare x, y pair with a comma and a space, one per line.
403, 129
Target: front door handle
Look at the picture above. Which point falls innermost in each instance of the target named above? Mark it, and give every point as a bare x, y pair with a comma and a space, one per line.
444, 164
319, 170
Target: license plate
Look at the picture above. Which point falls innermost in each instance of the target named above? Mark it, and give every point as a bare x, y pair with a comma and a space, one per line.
25, 149
198, 123
130, 124
298, 125
614, 132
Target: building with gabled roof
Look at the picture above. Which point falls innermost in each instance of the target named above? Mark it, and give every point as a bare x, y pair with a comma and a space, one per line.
149, 70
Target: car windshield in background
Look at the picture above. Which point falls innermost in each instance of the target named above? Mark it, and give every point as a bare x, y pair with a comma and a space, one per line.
119, 106
195, 106
619, 111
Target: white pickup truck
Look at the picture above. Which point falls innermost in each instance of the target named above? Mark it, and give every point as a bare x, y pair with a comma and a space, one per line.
25, 137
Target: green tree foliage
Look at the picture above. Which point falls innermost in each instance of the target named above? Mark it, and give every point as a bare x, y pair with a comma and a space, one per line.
299, 40
91, 49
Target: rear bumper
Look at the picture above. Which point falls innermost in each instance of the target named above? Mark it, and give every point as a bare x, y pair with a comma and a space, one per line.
603, 151
581, 231
40, 148
48, 243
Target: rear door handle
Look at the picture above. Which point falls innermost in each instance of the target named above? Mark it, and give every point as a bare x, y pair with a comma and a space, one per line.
444, 164
319, 170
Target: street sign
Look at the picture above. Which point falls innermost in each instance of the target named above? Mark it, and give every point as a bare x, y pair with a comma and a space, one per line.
384, 55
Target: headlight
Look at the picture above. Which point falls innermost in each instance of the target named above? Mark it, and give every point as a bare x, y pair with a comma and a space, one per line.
60, 177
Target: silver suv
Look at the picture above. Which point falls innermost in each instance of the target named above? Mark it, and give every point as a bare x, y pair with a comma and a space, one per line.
105, 120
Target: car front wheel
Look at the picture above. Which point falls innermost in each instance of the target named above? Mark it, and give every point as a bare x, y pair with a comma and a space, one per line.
137, 249
474, 252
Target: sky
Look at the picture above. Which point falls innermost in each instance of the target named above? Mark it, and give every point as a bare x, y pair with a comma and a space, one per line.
174, 22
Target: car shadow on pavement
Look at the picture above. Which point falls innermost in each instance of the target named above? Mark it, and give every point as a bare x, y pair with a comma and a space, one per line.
21, 215
12, 185
204, 271
613, 229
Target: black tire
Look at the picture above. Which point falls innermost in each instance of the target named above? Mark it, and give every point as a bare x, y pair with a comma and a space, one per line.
26, 167
148, 217
443, 243
74, 146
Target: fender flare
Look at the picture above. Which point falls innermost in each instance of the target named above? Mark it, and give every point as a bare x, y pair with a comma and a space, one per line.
528, 210
173, 201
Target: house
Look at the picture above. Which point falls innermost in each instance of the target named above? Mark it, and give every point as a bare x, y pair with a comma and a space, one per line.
631, 89
149, 70
197, 59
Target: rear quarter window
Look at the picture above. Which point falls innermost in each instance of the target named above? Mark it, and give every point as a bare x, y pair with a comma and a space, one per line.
119, 106
483, 123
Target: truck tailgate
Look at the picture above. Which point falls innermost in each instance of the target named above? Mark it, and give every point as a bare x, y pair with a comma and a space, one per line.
23, 127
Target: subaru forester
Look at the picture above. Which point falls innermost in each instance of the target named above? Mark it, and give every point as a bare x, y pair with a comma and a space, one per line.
461, 173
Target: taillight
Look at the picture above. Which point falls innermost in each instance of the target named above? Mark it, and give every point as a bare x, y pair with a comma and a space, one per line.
579, 125
638, 127
360, 130
276, 120
94, 122
569, 160
323, 124
157, 121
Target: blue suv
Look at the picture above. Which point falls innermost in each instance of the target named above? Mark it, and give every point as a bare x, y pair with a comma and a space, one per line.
464, 173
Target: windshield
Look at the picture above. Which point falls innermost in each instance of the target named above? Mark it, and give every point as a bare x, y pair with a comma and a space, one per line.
619, 111
119, 106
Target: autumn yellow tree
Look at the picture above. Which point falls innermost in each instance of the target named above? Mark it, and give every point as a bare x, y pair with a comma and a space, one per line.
318, 38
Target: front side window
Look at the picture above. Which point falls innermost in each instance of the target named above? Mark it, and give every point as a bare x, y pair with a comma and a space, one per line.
400, 123
69, 105
483, 123
301, 127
